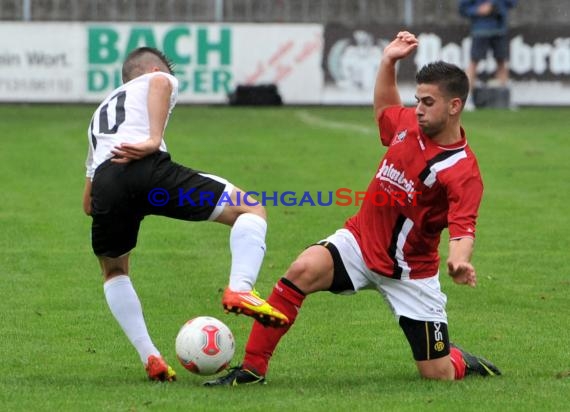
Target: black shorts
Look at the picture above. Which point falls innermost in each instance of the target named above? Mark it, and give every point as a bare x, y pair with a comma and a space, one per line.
498, 44
123, 194
341, 281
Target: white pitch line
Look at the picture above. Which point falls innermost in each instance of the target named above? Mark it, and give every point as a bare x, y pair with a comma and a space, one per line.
312, 120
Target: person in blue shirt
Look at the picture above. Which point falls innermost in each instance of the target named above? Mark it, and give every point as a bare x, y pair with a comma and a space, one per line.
489, 31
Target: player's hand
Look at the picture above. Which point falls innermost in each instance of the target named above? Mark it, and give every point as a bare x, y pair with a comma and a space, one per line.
127, 152
87, 197
462, 273
402, 46
87, 208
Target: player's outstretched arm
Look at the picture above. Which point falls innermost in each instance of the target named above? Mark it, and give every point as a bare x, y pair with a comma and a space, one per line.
458, 262
158, 104
385, 89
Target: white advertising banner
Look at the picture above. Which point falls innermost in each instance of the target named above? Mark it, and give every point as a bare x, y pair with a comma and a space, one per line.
42, 62
288, 56
309, 63
81, 62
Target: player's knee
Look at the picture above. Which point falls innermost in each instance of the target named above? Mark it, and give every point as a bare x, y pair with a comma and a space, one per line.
231, 213
304, 276
437, 372
257, 209
298, 271
247, 202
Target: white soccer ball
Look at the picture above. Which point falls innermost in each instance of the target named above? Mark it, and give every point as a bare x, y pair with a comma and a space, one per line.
205, 345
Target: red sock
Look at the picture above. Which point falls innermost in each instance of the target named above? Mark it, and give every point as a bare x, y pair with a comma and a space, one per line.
263, 340
458, 364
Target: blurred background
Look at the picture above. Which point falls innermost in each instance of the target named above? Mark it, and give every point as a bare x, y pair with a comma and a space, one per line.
439, 12
312, 52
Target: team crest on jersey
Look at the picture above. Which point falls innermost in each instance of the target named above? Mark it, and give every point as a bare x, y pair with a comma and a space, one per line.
399, 136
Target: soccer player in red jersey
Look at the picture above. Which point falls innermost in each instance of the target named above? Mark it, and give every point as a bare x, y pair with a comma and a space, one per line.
394, 248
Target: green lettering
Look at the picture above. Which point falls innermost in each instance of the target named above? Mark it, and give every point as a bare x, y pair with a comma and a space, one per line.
221, 81
170, 41
142, 36
102, 45
200, 81
222, 47
97, 80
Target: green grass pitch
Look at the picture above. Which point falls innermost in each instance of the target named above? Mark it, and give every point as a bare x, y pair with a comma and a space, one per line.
62, 350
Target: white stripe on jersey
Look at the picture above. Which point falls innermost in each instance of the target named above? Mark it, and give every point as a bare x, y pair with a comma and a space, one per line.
399, 255
444, 164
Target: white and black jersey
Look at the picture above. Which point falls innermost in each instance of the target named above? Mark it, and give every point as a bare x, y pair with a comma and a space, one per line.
122, 194
123, 118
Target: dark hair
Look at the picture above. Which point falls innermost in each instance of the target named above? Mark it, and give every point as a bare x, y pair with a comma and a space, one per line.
452, 81
139, 60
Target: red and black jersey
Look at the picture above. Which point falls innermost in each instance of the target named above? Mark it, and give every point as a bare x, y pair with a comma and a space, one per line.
419, 189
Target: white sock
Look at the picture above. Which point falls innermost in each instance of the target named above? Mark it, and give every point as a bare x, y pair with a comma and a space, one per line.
127, 310
247, 244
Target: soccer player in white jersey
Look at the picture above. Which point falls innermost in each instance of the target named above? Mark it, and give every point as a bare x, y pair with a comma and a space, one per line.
130, 175
432, 178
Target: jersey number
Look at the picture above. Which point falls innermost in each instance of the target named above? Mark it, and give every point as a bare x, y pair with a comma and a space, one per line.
104, 117
119, 114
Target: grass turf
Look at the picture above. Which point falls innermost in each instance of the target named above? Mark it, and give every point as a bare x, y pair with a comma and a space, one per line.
62, 350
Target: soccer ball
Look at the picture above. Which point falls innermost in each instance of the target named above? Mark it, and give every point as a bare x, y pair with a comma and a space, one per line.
205, 345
